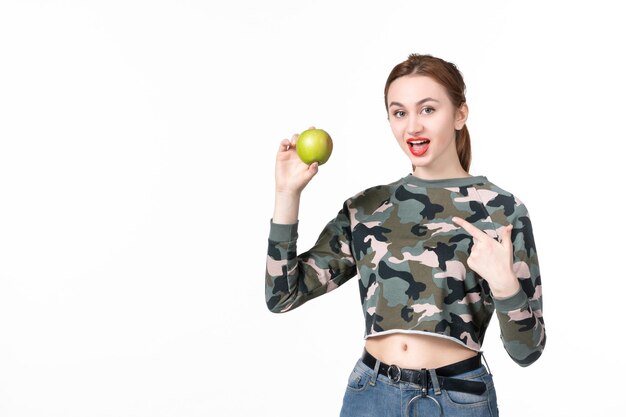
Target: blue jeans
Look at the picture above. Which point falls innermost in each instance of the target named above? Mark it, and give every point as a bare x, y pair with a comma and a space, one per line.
368, 394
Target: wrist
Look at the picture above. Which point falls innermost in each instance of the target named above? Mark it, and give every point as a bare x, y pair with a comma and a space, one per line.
287, 194
505, 289
286, 207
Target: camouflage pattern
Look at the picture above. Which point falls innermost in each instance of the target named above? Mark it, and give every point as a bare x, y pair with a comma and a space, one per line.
411, 263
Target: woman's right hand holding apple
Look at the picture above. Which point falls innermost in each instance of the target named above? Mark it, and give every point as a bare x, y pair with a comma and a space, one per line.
292, 175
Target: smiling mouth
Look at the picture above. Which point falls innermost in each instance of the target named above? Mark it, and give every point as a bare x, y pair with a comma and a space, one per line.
418, 146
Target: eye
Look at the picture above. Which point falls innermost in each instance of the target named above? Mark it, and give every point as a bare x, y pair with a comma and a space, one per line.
428, 110
399, 113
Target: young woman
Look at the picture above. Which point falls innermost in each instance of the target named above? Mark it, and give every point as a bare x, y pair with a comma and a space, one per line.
436, 253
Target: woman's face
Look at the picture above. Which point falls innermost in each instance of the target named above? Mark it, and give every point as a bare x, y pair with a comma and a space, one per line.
423, 121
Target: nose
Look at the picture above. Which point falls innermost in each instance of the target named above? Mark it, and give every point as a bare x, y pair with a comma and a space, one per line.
415, 125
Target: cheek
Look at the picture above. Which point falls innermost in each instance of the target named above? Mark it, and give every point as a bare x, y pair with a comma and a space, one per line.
443, 124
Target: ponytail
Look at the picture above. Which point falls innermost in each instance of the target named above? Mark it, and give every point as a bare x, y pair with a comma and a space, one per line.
464, 147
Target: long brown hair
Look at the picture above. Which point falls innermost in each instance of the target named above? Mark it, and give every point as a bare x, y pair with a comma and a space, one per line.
449, 76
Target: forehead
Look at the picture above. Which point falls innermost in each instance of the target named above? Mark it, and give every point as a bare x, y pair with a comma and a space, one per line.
413, 88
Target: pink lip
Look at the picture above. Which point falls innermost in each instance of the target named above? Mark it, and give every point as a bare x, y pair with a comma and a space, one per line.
419, 150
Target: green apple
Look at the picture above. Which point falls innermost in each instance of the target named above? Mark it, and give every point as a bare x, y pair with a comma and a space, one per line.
314, 145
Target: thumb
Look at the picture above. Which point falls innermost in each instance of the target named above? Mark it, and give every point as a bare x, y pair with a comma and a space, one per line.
313, 168
506, 238
310, 172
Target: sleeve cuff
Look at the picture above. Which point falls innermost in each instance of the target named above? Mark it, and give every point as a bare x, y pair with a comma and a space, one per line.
514, 302
283, 232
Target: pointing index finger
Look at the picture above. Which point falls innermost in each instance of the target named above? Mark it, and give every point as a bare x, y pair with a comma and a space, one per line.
469, 228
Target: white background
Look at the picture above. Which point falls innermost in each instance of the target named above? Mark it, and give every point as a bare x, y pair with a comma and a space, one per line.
137, 143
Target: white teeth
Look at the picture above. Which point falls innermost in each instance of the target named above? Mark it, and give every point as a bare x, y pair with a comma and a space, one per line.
419, 142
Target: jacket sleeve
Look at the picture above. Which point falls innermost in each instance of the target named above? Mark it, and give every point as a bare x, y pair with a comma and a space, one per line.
520, 316
291, 279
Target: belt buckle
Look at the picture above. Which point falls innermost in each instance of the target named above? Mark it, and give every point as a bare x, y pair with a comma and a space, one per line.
394, 369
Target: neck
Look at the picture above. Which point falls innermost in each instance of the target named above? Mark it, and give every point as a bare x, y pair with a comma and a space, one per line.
430, 173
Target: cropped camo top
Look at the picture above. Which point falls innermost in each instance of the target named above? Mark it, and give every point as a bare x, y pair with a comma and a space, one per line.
411, 263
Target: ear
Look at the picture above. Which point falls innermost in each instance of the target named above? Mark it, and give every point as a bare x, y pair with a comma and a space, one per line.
461, 116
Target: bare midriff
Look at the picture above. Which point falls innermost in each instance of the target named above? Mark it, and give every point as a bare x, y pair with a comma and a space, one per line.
416, 351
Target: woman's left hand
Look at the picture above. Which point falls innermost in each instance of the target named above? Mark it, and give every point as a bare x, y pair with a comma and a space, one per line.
492, 260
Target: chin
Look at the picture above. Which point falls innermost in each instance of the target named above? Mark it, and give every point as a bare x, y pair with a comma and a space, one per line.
420, 162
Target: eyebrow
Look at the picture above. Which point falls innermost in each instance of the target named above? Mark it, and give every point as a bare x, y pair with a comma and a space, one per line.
422, 101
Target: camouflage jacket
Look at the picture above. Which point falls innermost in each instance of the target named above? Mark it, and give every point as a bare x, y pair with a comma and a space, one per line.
411, 263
